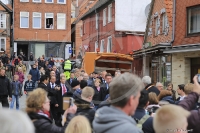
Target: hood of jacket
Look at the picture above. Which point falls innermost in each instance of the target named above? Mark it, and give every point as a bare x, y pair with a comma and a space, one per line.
113, 120
168, 99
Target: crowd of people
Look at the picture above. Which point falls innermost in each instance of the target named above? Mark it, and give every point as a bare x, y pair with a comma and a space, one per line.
101, 102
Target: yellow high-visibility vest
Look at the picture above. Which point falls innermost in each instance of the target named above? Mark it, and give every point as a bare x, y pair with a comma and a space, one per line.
68, 65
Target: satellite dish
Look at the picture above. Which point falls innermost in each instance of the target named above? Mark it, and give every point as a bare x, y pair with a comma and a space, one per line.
147, 10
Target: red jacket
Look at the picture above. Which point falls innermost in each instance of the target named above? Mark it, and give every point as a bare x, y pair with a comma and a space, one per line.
189, 103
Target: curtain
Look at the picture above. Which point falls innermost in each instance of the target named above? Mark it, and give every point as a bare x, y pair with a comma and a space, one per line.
24, 22
36, 22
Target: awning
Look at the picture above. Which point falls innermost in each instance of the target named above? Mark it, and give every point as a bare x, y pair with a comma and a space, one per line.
183, 48
153, 49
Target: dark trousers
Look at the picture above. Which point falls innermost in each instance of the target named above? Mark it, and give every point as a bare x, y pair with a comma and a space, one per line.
55, 114
4, 101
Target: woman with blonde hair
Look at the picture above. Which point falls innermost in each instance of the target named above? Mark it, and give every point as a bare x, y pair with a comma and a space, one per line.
170, 88
153, 103
38, 107
79, 124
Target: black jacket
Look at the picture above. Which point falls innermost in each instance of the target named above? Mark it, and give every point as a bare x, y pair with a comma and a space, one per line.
51, 92
5, 87
44, 125
152, 88
97, 95
83, 108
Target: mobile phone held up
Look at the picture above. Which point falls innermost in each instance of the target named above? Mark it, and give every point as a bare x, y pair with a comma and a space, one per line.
71, 101
198, 78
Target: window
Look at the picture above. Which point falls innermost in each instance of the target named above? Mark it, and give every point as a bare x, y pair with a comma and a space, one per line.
84, 29
3, 43
109, 45
49, 20
36, 0
102, 46
36, 20
194, 20
104, 17
61, 1
61, 20
48, 1
3, 21
110, 13
24, 0
157, 26
164, 22
81, 31
24, 19
96, 46
97, 21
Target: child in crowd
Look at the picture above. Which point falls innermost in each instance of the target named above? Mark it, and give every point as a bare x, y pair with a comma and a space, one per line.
16, 88
29, 85
20, 74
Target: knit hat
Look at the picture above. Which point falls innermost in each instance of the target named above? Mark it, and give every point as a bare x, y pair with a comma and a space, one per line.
75, 83
49, 66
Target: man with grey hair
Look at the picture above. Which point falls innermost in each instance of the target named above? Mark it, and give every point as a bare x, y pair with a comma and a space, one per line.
159, 86
149, 86
12, 121
124, 97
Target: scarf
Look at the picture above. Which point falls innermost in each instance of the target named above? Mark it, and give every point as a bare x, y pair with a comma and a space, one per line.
44, 113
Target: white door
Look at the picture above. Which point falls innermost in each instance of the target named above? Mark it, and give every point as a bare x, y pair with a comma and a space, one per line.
68, 51
39, 50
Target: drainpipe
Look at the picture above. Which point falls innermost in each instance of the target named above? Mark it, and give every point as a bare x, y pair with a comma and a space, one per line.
12, 20
173, 22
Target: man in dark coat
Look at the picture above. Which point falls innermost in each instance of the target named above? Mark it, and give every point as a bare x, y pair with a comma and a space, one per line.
57, 74
34, 72
72, 76
31, 58
189, 103
149, 86
5, 89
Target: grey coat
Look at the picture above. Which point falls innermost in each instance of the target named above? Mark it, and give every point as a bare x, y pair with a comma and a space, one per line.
113, 120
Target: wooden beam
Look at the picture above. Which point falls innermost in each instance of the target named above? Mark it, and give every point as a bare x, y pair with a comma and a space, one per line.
106, 68
115, 61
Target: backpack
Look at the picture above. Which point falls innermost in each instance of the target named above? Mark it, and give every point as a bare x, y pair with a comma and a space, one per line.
142, 121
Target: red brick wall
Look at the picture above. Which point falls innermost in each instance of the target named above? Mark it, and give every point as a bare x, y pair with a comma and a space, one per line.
78, 38
181, 23
161, 38
42, 34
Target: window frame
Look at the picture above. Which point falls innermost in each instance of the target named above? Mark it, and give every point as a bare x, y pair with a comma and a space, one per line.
5, 42
97, 24
40, 20
96, 46
110, 13
104, 16
5, 17
49, 2
164, 22
84, 28
20, 20
187, 25
24, 0
40, 1
109, 45
62, 18
102, 45
156, 26
45, 21
61, 2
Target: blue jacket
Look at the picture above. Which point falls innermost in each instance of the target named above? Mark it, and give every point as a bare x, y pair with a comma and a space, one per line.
16, 87
35, 74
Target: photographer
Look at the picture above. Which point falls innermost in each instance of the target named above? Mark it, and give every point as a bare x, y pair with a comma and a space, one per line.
188, 103
143, 120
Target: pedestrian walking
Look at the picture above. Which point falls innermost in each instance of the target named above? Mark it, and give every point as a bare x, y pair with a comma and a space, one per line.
29, 85
5, 89
34, 72
16, 88
21, 75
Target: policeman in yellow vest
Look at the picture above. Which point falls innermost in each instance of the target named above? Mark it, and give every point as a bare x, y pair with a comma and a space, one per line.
67, 68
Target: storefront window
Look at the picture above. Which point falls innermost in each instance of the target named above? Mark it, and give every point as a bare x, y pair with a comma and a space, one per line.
161, 69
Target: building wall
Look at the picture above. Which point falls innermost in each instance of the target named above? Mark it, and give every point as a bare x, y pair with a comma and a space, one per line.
78, 37
181, 68
42, 34
181, 23
161, 38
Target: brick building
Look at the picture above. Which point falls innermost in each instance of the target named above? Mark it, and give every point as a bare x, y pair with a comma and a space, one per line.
5, 27
42, 26
186, 47
158, 36
110, 27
